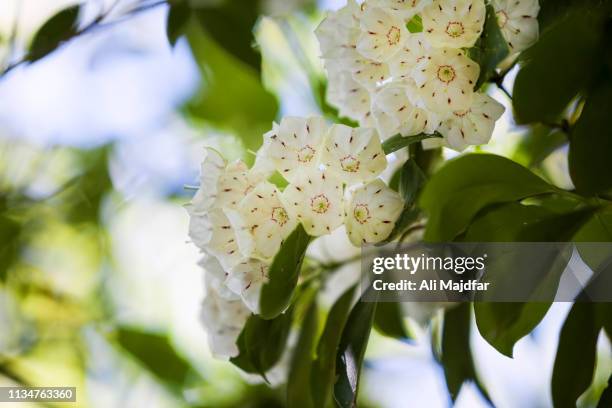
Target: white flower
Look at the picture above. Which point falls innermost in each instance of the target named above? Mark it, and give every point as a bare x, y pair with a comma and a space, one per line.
247, 279
222, 185
445, 80
261, 222
351, 99
453, 23
213, 233
223, 320
296, 144
369, 73
382, 34
518, 22
354, 154
414, 50
262, 164
371, 213
215, 276
314, 198
405, 8
473, 126
339, 31
395, 113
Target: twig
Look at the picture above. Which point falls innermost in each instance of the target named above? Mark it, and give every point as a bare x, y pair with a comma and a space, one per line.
97, 23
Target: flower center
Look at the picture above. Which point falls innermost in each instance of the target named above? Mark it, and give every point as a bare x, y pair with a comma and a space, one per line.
306, 154
279, 216
393, 36
319, 204
461, 114
446, 74
502, 18
349, 164
361, 213
455, 29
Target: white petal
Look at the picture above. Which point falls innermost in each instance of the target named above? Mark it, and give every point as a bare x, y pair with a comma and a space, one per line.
296, 145
382, 34
261, 222
453, 23
247, 279
315, 199
474, 126
354, 154
445, 80
371, 213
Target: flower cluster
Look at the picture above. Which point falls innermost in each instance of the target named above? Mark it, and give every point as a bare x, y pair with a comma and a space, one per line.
402, 66
239, 219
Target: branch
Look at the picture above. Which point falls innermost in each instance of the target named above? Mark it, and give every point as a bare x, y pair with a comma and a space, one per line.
97, 23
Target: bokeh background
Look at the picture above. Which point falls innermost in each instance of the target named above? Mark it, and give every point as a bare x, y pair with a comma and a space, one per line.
100, 142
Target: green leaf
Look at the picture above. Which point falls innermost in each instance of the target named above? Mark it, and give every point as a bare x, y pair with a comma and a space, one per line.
10, 242
542, 89
283, 275
464, 186
324, 367
606, 397
230, 24
398, 142
232, 96
262, 342
59, 28
156, 354
502, 324
351, 353
415, 25
83, 195
538, 144
178, 16
575, 361
591, 143
299, 379
457, 358
490, 49
410, 183
389, 321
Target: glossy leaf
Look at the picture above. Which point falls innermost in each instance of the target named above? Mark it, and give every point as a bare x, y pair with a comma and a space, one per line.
59, 28
539, 142
502, 324
490, 49
178, 16
262, 342
398, 142
156, 354
231, 97
231, 24
299, 380
389, 321
457, 359
591, 143
284, 273
324, 366
576, 354
464, 186
606, 397
410, 182
351, 353
542, 90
